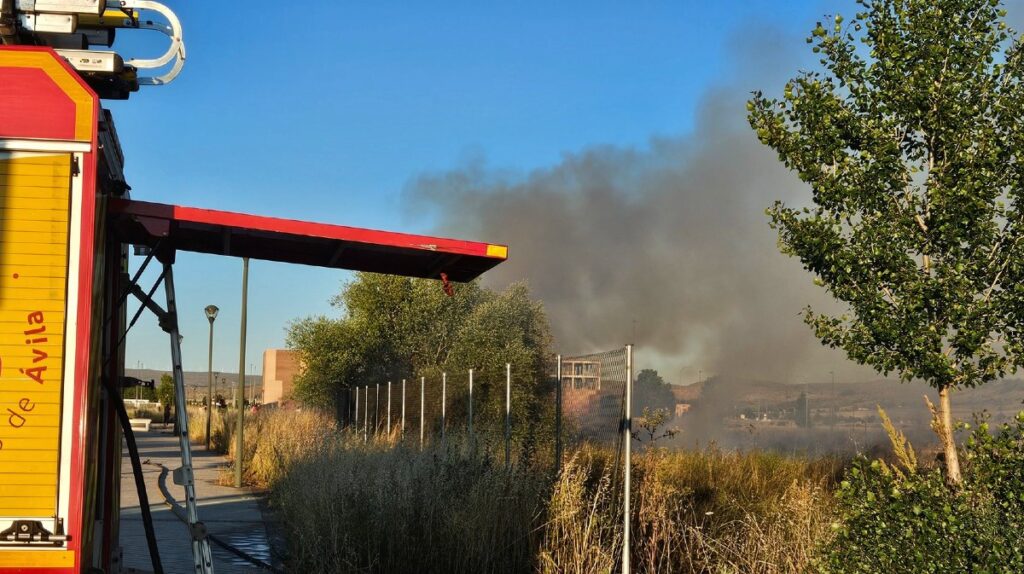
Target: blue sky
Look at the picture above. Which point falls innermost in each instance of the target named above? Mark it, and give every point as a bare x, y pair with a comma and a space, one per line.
326, 110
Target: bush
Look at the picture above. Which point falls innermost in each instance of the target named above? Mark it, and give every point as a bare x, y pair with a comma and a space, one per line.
900, 518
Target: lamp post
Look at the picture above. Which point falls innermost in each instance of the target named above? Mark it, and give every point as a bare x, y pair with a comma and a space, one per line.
211, 314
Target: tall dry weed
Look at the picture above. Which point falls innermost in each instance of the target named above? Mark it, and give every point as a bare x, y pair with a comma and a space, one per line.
357, 508
220, 428
347, 506
582, 535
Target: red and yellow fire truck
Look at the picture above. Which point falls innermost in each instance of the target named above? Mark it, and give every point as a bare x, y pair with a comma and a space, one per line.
67, 220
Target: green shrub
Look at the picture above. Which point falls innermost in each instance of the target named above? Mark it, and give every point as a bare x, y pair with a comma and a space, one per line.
905, 519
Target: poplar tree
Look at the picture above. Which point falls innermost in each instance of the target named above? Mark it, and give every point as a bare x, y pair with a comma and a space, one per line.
910, 139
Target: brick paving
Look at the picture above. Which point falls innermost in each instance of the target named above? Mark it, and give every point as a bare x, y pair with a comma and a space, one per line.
231, 514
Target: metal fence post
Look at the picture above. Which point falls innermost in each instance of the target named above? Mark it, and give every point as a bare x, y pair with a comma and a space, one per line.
366, 413
444, 400
558, 416
471, 407
388, 432
423, 384
357, 410
508, 415
403, 408
376, 412
240, 403
627, 432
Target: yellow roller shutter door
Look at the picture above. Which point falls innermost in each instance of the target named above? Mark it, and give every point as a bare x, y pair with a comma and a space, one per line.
34, 214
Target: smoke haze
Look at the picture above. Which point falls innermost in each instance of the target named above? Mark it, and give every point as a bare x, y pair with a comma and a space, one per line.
672, 236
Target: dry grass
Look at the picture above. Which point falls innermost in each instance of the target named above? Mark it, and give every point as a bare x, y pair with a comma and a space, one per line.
276, 441
583, 532
220, 430
713, 511
350, 507
153, 414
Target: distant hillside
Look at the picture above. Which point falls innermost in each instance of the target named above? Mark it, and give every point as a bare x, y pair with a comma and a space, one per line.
1007, 394
194, 378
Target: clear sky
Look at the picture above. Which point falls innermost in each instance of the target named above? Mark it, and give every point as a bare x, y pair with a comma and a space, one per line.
325, 110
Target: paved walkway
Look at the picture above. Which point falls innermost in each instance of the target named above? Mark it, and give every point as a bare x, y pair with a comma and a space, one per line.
231, 514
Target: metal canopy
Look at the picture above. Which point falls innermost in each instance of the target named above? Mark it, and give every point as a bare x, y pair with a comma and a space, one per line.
290, 241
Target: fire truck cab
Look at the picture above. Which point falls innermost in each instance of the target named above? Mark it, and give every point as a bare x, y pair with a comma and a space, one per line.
67, 221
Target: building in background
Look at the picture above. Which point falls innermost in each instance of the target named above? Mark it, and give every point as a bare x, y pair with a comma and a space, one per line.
581, 374
280, 367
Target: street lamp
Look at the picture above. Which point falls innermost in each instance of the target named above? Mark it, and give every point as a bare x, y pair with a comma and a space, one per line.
211, 314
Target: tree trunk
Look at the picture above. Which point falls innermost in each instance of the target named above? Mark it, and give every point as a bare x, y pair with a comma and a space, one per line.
942, 424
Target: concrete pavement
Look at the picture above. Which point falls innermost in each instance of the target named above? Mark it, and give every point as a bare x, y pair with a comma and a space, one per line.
231, 514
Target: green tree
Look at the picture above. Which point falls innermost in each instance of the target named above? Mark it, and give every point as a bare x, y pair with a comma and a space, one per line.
165, 391
396, 327
910, 139
651, 391
139, 392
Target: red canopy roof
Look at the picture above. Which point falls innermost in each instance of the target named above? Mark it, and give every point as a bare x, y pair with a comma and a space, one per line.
291, 241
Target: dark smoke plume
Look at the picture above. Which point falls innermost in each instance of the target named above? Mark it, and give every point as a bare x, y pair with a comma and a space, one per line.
672, 236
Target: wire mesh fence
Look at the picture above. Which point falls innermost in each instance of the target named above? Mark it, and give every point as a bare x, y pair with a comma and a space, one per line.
580, 401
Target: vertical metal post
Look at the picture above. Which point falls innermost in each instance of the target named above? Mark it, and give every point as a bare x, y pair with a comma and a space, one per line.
388, 433
357, 410
471, 407
508, 414
366, 413
201, 556
376, 412
209, 393
627, 438
423, 395
444, 400
558, 416
403, 408
240, 404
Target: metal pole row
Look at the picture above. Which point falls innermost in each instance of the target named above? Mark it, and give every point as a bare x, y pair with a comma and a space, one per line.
444, 410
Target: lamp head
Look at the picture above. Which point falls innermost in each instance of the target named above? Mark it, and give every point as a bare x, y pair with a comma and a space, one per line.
211, 312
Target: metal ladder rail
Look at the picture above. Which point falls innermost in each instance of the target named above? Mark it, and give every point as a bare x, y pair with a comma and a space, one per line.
201, 555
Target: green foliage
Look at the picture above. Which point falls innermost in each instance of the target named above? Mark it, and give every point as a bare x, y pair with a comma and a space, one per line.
165, 391
396, 328
652, 426
650, 390
910, 521
910, 139
140, 392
